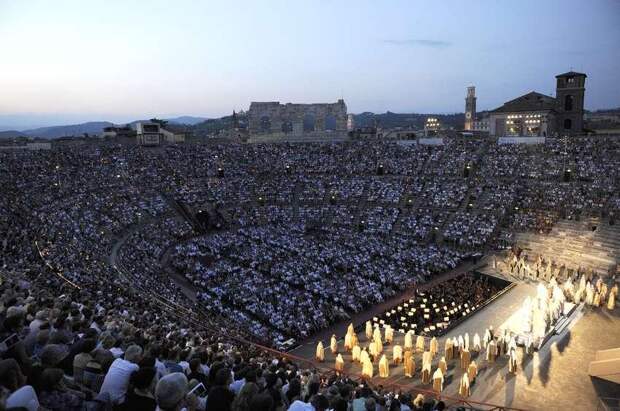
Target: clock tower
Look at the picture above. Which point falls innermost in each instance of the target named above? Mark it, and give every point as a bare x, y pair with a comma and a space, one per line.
470, 108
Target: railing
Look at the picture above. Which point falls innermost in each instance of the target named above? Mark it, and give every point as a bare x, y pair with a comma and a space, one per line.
608, 404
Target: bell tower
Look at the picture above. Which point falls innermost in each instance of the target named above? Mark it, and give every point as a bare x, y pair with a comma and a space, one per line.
470, 108
569, 94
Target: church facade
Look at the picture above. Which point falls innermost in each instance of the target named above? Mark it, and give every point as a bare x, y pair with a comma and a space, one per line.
536, 114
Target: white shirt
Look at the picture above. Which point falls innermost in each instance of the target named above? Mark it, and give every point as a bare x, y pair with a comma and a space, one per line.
116, 380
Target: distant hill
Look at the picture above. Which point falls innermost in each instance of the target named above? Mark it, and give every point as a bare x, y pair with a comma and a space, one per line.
189, 120
93, 127
406, 120
11, 134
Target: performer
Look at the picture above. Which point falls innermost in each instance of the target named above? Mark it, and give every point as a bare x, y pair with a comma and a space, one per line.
434, 347
597, 299
487, 337
443, 365
419, 343
320, 352
409, 364
512, 362
611, 301
438, 380
461, 343
364, 356
384, 367
491, 351
348, 342
448, 349
477, 344
426, 373
464, 386
367, 369
408, 340
368, 329
334, 345
389, 334
397, 354
339, 366
466, 340
356, 353
472, 372
465, 358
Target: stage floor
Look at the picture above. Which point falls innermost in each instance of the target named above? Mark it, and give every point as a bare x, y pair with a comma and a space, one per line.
554, 378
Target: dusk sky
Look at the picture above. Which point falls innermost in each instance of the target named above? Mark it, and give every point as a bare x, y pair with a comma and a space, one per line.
72, 61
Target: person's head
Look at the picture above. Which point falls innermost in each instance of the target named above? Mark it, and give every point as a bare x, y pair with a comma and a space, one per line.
294, 388
222, 377
53, 354
340, 404
370, 404
88, 345
143, 379
194, 365
133, 354
170, 391
51, 379
261, 402
440, 406
247, 392
419, 401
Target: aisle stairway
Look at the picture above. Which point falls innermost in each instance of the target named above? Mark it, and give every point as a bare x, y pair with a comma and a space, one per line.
590, 243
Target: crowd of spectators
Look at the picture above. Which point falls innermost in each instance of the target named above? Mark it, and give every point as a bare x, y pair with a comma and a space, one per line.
313, 235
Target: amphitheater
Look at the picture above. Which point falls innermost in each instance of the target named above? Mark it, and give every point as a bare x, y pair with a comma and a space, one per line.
278, 246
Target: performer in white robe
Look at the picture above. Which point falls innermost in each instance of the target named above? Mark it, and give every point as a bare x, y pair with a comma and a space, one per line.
611, 301
320, 352
408, 340
449, 349
384, 367
438, 380
368, 329
372, 349
512, 362
466, 340
339, 366
487, 337
477, 344
426, 373
334, 345
397, 354
491, 351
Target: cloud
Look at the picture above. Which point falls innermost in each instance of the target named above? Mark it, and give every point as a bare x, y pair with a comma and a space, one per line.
419, 42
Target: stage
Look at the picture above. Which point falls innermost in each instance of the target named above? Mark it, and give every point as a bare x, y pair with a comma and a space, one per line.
545, 380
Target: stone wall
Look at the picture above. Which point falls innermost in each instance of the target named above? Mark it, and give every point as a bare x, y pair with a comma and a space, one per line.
289, 118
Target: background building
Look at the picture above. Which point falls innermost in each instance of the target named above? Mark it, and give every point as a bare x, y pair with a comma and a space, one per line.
535, 114
470, 108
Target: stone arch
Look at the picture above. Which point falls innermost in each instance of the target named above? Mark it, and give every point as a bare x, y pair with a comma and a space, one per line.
309, 121
265, 124
330, 122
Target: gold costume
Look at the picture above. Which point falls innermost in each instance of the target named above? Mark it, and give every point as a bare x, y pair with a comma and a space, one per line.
438, 380
472, 371
409, 364
465, 358
384, 367
320, 352
397, 354
339, 366
334, 345
355, 353
464, 386
434, 347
